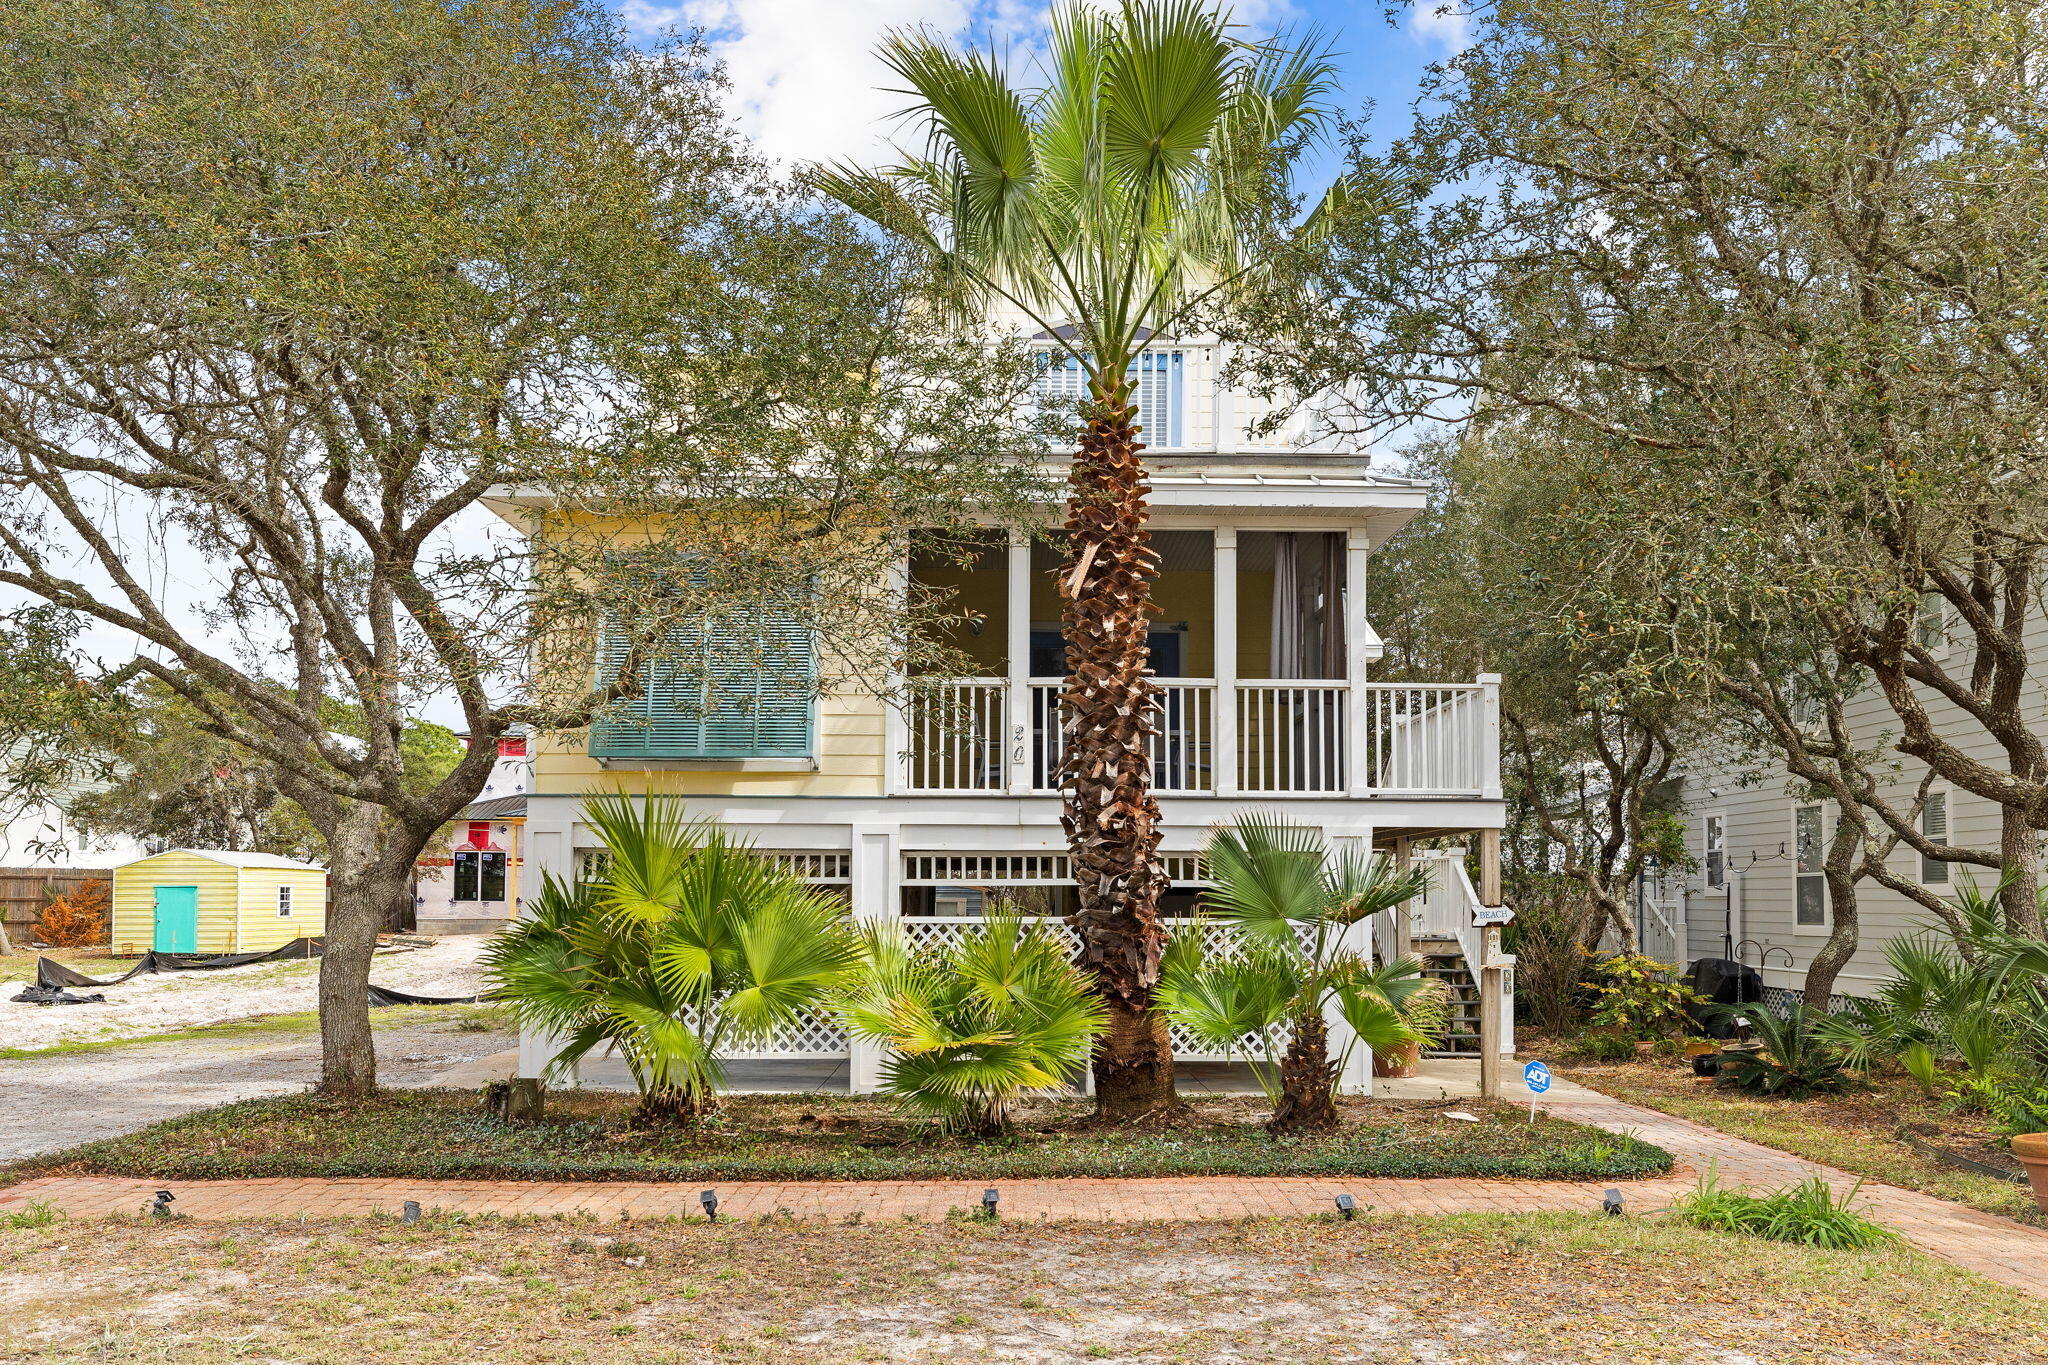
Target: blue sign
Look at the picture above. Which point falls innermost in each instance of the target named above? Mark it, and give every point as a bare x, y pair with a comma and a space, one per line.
1537, 1077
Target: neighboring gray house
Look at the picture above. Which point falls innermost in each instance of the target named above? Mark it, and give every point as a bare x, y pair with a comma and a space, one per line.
1756, 893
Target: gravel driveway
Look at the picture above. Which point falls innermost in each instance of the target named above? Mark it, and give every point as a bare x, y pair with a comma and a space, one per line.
47, 1103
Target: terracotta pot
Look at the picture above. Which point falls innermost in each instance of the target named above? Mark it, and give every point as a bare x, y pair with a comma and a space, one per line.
2032, 1150
1403, 1061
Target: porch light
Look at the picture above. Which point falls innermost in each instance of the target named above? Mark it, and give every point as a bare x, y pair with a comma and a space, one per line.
1610, 1203
410, 1211
1347, 1206
988, 1203
709, 1199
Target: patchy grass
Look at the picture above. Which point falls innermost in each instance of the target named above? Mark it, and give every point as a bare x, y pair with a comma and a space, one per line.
467, 1018
443, 1134
1856, 1131
1481, 1289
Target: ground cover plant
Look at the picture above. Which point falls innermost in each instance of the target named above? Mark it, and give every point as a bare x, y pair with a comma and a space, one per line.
1479, 1289
590, 1136
1809, 1213
1863, 1131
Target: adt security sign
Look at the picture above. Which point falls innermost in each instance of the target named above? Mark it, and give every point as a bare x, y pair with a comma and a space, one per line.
1537, 1077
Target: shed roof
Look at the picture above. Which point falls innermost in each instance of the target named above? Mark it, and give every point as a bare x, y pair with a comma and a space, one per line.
232, 858
497, 808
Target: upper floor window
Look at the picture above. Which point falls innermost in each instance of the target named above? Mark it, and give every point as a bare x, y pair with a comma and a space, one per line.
1715, 850
1157, 389
1930, 623
742, 686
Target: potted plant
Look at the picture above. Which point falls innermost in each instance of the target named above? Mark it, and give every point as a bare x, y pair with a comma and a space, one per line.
1640, 1000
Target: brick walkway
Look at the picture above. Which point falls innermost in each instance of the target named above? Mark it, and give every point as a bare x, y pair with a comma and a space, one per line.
1997, 1248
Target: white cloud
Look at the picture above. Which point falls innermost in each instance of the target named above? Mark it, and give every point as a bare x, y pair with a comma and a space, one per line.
1446, 22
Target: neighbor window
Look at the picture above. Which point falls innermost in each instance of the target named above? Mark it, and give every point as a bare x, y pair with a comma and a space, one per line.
284, 902
1810, 893
1715, 852
1934, 826
1930, 623
479, 875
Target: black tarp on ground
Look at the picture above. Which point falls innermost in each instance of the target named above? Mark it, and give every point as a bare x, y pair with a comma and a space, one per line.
384, 995
50, 973
1723, 981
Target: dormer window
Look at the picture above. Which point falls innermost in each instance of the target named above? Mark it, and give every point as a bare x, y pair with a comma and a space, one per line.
1158, 391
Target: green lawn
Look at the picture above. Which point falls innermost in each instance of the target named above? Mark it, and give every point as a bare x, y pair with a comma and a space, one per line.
1462, 1290
1856, 1131
444, 1134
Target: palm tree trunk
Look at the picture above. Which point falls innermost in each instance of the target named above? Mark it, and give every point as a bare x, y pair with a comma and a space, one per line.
1308, 1081
665, 1106
1110, 816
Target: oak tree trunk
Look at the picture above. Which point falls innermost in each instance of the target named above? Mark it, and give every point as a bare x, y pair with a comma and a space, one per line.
1110, 816
1308, 1081
370, 866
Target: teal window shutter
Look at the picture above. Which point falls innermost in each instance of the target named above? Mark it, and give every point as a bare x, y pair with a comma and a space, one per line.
743, 686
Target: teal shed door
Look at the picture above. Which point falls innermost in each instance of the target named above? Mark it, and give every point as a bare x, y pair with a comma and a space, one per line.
177, 919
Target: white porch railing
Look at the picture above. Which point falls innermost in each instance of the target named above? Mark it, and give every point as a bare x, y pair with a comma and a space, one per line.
1444, 911
956, 735
1282, 736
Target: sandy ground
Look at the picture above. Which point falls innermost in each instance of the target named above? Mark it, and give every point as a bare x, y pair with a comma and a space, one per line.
175, 1000
58, 1101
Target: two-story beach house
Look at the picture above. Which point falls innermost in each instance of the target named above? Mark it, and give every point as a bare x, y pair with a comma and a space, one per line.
928, 807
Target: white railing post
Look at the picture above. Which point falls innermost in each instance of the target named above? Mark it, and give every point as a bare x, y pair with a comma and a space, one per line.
1017, 708
1489, 736
1361, 647
896, 698
1355, 1077
1223, 752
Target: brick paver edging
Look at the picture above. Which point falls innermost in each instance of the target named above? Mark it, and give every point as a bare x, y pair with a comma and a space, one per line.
1997, 1248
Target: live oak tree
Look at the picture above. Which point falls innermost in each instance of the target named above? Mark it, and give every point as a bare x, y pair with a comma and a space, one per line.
1145, 178
1783, 259
289, 288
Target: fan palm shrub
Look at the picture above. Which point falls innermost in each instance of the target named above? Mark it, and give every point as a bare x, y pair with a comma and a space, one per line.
1797, 1059
1144, 178
974, 1026
1289, 907
685, 947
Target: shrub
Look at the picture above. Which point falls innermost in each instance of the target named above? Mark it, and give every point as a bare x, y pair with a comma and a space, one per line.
973, 1027
1640, 997
1808, 1213
1797, 1059
1547, 937
78, 918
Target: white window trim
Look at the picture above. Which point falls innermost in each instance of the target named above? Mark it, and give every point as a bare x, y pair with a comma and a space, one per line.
1827, 905
284, 902
1948, 818
1707, 820
1940, 649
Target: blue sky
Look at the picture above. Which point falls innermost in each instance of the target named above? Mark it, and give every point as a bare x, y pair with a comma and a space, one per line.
805, 81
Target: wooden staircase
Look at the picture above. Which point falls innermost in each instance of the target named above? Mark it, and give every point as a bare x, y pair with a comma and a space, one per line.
1444, 960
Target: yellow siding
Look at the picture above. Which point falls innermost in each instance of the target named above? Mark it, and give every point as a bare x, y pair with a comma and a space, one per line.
135, 900
262, 927
851, 762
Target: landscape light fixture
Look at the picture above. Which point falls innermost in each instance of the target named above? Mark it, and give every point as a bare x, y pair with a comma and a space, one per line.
988, 1203
162, 1207
411, 1212
1610, 1202
1347, 1206
709, 1199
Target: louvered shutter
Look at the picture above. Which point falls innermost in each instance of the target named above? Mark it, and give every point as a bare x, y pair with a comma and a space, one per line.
1156, 389
1934, 825
743, 687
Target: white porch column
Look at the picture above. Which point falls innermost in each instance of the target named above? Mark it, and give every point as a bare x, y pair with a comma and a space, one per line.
550, 844
1361, 647
1355, 1076
1017, 753
874, 873
1223, 748
896, 698
1489, 736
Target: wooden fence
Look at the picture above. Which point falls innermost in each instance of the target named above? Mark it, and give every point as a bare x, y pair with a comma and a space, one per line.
24, 891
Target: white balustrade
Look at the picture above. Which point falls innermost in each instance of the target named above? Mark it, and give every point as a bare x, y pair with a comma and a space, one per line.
1426, 739
1291, 736
956, 735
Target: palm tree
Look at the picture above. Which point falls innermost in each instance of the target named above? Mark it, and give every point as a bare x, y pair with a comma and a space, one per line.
974, 1027
1289, 905
1145, 178
687, 945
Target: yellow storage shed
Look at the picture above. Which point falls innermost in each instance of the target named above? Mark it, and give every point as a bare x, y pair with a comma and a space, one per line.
210, 902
